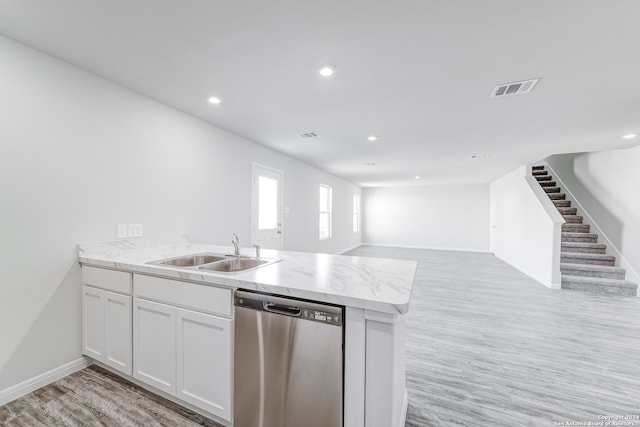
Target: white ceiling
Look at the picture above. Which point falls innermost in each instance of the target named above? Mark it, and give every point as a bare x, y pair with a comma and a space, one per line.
418, 73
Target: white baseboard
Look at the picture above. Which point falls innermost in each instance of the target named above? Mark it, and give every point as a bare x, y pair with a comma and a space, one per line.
26, 387
433, 248
403, 411
348, 249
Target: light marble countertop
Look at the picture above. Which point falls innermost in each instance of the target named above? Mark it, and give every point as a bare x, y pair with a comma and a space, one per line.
382, 285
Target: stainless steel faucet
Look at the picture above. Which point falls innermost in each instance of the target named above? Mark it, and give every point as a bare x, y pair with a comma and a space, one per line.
257, 250
236, 244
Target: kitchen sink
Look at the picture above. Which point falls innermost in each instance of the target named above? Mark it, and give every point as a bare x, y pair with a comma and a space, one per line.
191, 260
218, 263
237, 264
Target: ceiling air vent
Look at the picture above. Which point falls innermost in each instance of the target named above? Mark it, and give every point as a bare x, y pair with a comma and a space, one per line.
515, 88
307, 135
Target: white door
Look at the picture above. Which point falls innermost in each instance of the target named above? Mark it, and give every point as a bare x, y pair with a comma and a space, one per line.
154, 344
204, 361
267, 207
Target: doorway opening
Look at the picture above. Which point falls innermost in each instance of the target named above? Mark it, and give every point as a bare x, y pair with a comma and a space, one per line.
267, 206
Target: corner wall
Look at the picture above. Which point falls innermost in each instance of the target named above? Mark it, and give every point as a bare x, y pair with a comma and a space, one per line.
526, 227
451, 217
79, 155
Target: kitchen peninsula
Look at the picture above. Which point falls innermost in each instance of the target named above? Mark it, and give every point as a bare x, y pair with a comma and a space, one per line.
374, 292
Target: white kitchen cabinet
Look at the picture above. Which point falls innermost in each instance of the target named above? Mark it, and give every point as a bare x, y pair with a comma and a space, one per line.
93, 320
118, 331
182, 341
106, 327
154, 344
204, 361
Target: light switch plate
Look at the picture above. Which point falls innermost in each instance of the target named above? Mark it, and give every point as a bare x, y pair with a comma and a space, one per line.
135, 230
121, 231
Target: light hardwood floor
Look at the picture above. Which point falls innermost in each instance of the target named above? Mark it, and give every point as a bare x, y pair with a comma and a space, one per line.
487, 346
95, 397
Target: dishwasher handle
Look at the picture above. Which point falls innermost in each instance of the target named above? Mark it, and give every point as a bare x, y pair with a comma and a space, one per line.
287, 310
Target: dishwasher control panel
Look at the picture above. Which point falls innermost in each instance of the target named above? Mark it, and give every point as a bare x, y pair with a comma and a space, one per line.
322, 316
302, 309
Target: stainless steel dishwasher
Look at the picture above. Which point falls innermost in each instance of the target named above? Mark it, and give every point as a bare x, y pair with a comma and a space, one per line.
288, 369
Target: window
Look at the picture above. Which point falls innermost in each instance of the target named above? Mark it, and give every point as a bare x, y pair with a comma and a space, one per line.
325, 212
356, 213
267, 203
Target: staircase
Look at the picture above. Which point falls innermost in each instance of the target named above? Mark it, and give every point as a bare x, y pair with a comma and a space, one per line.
584, 263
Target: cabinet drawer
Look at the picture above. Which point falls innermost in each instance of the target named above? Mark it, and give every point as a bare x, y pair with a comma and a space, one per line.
111, 280
183, 294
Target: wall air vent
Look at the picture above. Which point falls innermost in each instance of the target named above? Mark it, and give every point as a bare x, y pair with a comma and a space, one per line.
370, 164
307, 135
515, 88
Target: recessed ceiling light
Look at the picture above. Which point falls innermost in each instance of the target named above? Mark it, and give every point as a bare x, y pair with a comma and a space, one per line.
417, 176
630, 136
327, 71
215, 100
372, 138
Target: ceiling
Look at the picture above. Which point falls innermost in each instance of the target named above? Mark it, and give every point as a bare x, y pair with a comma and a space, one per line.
416, 73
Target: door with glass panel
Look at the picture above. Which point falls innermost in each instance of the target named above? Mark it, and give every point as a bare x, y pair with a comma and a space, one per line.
267, 207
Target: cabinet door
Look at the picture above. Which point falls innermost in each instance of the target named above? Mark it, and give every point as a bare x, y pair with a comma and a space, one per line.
154, 344
117, 350
93, 320
204, 361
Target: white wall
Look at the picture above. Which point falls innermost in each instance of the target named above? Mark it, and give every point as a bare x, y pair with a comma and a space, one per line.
79, 155
454, 217
526, 227
606, 185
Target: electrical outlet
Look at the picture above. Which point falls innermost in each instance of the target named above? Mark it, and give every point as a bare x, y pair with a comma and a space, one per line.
121, 232
135, 230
